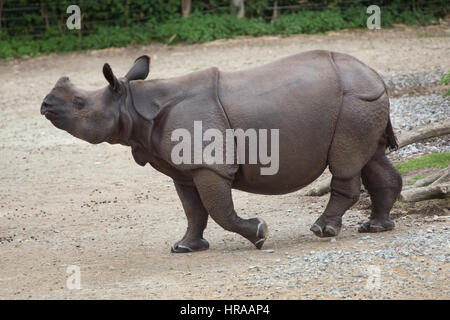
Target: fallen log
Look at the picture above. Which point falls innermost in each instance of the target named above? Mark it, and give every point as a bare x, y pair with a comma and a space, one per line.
442, 179
422, 133
426, 193
430, 179
320, 188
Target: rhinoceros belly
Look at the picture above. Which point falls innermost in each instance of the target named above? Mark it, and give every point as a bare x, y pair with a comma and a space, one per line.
300, 96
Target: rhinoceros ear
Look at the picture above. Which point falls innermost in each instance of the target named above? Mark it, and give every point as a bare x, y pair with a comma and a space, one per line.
140, 69
109, 75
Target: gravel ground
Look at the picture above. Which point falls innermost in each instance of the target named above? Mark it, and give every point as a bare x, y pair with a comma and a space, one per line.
372, 269
409, 111
410, 80
64, 202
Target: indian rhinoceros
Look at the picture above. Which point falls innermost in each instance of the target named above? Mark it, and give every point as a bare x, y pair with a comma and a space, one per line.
329, 108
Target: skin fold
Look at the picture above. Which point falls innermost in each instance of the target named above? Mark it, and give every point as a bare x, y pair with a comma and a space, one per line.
330, 109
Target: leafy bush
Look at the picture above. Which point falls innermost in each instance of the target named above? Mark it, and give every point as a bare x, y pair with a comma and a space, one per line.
309, 22
445, 80
115, 23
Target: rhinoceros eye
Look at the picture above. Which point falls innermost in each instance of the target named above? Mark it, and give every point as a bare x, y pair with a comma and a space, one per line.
78, 103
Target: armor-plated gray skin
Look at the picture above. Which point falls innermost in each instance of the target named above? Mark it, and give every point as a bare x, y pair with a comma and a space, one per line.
330, 109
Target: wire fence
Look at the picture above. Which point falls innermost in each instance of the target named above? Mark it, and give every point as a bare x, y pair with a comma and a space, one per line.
41, 18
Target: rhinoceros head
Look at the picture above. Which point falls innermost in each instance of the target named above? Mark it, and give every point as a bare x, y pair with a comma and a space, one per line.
92, 116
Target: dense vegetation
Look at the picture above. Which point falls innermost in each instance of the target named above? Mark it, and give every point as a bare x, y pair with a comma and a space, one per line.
32, 27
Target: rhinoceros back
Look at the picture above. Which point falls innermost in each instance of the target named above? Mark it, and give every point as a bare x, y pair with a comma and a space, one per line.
301, 96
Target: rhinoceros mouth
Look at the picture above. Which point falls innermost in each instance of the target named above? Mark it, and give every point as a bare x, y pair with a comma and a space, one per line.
50, 115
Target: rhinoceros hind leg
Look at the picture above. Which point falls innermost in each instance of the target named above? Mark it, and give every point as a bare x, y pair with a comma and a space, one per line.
384, 183
215, 193
184, 246
374, 225
344, 194
197, 219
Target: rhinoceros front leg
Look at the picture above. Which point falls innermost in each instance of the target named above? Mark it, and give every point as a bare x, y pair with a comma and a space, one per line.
215, 192
197, 218
344, 194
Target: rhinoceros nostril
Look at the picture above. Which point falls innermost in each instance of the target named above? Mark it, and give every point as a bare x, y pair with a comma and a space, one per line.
44, 107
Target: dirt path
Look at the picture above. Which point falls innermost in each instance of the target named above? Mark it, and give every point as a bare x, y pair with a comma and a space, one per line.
64, 202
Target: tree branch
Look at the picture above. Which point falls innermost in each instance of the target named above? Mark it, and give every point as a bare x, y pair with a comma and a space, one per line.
422, 133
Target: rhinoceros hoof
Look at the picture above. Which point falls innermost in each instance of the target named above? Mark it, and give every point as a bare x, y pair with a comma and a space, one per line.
376, 226
261, 234
326, 226
326, 231
191, 246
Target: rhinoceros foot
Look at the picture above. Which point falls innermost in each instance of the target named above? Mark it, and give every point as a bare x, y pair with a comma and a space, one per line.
261, 234
190, 246
326, 226
375, 225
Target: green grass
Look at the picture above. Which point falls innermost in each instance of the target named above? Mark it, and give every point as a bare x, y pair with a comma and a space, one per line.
433, 160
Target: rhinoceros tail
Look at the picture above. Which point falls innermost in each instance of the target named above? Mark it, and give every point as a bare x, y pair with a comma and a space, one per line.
391, 139
392, 143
